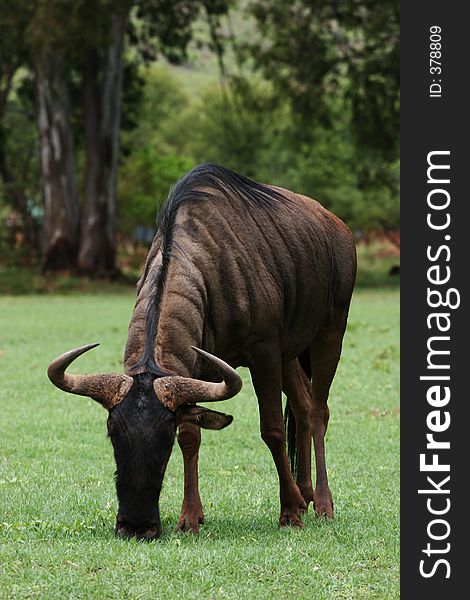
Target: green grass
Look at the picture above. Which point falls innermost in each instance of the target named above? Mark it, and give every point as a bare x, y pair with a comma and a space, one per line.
21, 281
57, 499
374, 263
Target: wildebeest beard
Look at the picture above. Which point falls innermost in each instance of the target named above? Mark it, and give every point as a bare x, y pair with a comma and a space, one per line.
142, 432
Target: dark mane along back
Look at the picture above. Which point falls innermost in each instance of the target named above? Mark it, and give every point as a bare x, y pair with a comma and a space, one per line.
196, 185
221, 180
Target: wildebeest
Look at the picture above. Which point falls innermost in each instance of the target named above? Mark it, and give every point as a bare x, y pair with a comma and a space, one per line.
239, 274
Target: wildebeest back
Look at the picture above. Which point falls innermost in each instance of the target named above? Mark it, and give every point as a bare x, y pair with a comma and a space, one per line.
230, 268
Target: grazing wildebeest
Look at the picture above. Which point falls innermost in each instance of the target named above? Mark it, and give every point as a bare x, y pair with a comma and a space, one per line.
257, 276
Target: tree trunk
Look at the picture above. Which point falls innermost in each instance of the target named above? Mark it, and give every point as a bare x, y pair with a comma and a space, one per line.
17, 199
14, 189
61, 216
102, 87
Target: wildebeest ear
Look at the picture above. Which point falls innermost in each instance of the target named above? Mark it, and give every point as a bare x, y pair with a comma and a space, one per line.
204, 417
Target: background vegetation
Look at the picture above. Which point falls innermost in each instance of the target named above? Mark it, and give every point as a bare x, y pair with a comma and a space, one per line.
103, 105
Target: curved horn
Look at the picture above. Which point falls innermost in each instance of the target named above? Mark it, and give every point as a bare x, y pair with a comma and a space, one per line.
173, 391
107, 389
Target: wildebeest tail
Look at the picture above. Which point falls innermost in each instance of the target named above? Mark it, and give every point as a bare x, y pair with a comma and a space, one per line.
291, 436
289, 419
304, 360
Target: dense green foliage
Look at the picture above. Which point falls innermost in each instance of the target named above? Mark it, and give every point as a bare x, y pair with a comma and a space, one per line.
296, 93
76, 56
248, 128
57, 496
348, 50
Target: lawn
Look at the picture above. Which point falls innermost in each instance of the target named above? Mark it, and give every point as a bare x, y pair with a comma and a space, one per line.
57, 498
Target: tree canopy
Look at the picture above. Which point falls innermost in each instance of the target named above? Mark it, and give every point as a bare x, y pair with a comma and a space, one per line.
299, 93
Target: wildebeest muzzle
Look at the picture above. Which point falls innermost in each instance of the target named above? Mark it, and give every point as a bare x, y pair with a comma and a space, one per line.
143, 531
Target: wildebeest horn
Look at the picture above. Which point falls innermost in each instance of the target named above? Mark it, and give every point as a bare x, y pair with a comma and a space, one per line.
107, 389
173, 391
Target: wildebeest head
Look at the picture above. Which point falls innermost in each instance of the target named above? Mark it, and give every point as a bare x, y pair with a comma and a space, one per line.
144, 413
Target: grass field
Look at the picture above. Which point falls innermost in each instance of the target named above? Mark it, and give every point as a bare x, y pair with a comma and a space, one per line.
57, 498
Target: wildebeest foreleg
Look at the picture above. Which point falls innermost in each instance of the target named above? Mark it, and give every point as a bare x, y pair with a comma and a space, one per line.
324, 356
189, 440
298, 390
268, 392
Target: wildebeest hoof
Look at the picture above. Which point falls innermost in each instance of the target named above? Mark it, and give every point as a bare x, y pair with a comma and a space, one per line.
291, 515
323, 503
190, 522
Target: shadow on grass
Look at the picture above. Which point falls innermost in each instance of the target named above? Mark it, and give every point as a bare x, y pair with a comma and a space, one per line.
220, 528
259, 528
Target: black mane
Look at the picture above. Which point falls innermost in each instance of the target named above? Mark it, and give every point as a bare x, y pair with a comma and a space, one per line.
190, 189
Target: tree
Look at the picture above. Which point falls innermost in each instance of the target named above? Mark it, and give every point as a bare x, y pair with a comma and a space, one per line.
97, 38
157, 27
13, 55
49, 57
317, 50
60, 192
102, 93
333, 61
77, 54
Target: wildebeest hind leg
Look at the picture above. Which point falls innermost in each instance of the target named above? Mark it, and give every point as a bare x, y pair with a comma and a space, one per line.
297, 387
189, 440
325, 352
268, 392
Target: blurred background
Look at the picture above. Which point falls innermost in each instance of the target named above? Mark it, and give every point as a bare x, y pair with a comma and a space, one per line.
105, 104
